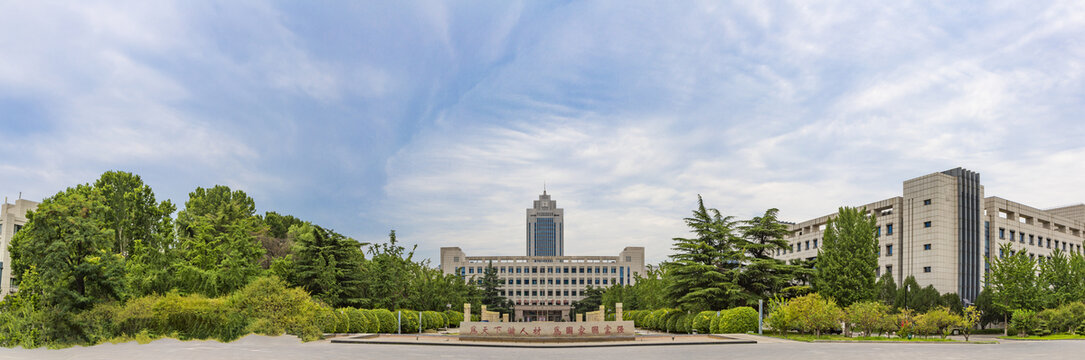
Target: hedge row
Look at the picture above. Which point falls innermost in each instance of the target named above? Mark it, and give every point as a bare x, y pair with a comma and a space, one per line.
351, 320
1066, 319
737, 320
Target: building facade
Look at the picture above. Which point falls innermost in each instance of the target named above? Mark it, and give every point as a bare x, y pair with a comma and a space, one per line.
544, 284
545, 228
543, 288
943, 230
12, 219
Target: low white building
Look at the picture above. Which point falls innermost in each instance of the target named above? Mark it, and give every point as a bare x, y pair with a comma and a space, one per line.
12, 219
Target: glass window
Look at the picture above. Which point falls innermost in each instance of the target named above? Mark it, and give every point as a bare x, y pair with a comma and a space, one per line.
889, 250
926, 269
1031, 240
889, 229
927, 224
1001, 233
807, 244
889, 269
927, 202
926, 246
815, 243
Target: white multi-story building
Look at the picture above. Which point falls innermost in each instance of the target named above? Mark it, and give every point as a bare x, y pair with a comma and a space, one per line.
12, 218
943, 230
544, 284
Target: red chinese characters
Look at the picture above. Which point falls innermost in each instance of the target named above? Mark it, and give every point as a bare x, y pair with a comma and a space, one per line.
474, 330
485, 330
512, 330
581, 330
557, 331
568, 330
595, 330
606, 330
536, 331
621, 329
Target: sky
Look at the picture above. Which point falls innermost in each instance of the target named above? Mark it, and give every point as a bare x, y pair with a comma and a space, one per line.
443, 119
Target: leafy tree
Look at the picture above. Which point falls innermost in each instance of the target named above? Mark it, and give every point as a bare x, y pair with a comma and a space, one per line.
848, 257
813, 313
1057, 280
491, 291
1013, 279
625, 294
651, 289
940, 319
911, 296
218, 248
952, 302
276, 241
142, 230
761, 275
66, 246
593, 297
972, 317
389, 273
887, 289
701, 266
329, 265
989, 313
868, 316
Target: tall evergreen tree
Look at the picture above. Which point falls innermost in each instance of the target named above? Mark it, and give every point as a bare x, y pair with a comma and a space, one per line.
760, 275
848, 257
491, 291
218, 250
701, 267
329, 266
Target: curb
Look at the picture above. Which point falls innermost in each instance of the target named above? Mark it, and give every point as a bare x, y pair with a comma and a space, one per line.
366, 340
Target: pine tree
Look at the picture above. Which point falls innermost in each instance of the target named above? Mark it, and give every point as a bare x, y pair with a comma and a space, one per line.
761, 276
329, 265
848, 257
491, 291
701, 268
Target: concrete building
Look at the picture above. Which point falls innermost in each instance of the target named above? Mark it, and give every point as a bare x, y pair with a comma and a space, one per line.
943, 230
544, 284
545, 228
12, 219
543, 288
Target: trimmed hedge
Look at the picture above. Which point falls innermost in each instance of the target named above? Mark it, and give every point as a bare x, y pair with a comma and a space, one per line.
737, 321
702, 322
386, 320
454, 318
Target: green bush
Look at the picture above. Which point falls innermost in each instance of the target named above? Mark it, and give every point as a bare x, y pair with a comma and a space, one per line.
358, 322
328, 320
454, 318
431, 320
387, 320
410, 321
737, 321
273, 309
342, 324
702, 322
657, 321
672, 321
683, 324
1023, 321
372, 323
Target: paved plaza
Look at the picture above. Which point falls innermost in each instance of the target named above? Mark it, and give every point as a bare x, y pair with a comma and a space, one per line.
285, 347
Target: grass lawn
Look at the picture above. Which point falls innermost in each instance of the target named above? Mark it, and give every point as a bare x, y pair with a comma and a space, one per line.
809, 338
1047, 337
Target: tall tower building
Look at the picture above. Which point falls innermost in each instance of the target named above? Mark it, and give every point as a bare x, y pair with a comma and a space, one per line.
545, 228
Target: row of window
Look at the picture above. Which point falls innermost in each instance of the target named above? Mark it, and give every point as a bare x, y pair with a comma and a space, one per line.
1038, 240
797, 246
547, 270
536, 293
551, 281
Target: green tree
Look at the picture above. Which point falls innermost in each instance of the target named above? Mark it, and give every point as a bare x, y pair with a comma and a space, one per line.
329, 266
701, 266
972, 317
1057, 281
593, 297
813, 313
761, 276
887, 289
491, 291
989, 313
142, 231
1012, 279
624, 294
940, 320
276, 241
389, 273
650, 290
66, 245
868, 316
848, 257
218, 250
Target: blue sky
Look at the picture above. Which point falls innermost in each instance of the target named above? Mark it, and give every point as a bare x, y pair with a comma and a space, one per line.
442, 119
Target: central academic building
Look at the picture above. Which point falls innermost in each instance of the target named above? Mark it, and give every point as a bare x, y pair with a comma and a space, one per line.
543, 284
943, 229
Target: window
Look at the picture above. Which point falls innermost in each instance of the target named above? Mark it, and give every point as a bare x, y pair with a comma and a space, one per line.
889, 250
889, 269
807, 244
1022, 238
927, 202
926, 246
878, 272
471, 270
534, 281
927, 224
926, 269
889, 229
1048, 243
1031, 240
455, 259
1001, 233
604, 281
815, 243
878, 232
628, 259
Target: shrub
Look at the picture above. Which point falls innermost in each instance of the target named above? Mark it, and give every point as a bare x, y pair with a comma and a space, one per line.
1023, 321
410, 321
386, 320
781, 319
737, 321
1050, 321
657, 321
372, 323
702, 322
454, 318
938, 321
273, 308
684, 321
358, 322
342, 324
671, 324
868, 316
812, 313
328, 320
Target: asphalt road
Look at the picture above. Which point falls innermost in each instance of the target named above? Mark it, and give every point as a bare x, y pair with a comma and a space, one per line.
284, 347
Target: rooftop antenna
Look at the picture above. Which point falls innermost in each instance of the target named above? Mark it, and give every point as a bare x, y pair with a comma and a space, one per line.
544, 187
20, 195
